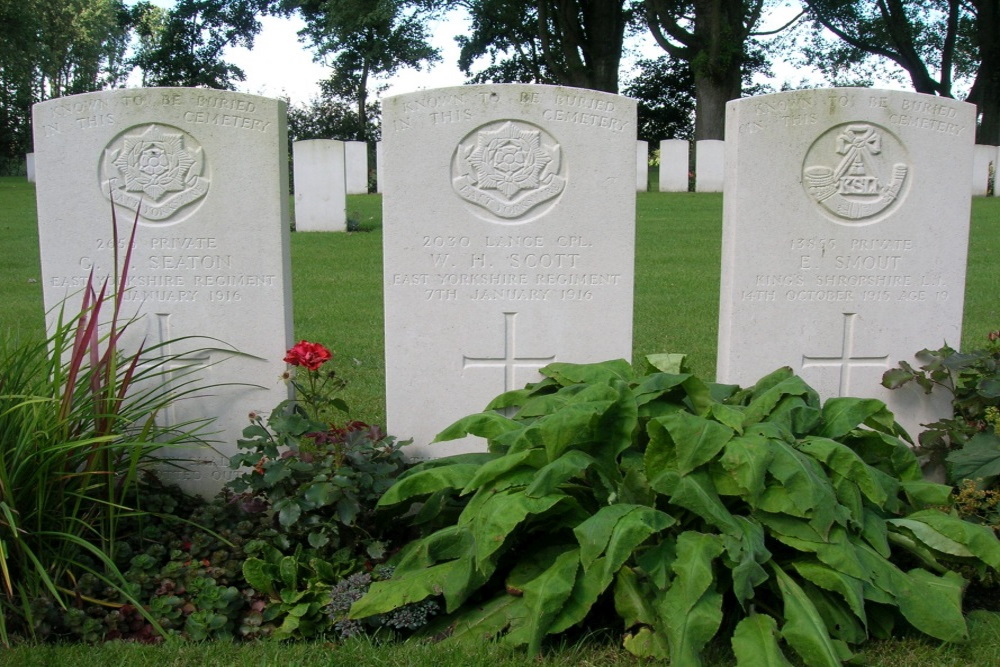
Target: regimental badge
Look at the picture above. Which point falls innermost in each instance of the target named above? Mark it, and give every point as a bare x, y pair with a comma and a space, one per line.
155, 169
508, 168
861, 171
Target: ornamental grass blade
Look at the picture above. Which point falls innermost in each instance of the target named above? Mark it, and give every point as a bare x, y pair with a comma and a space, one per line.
755, 643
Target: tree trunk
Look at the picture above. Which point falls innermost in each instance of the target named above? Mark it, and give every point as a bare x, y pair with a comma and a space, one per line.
711, 95
985, 92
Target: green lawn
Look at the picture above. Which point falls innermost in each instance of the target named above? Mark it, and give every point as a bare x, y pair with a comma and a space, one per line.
337, 287
338, 301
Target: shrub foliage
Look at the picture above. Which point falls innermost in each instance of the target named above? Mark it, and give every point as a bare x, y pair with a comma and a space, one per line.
693, 510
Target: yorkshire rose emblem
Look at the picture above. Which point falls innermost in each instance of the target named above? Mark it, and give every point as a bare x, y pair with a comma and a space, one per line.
855, 171
156, 170
508, 168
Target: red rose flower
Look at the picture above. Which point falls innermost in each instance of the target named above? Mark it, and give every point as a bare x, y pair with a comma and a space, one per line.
309, 355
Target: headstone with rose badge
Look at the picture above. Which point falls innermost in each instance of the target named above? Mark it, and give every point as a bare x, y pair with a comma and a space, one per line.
508, 219
846, 222
206, 171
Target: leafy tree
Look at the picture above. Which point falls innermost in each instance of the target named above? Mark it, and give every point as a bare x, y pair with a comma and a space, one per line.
183, 47
663, 88
716, 37
505, 31
366, 39
935, 42
985, 93
329, 116
570, 42
49, 49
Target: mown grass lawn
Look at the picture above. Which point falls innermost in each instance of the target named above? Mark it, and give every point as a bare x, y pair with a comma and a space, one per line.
337, 283
337, 291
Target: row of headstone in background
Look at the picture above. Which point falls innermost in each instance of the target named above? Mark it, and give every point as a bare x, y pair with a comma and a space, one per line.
205, 174
509, 238
710, 166
986, 160
29, 166
325, 172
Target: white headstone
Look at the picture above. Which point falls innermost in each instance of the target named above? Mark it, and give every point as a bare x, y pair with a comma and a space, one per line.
674, 165
846, 219
29, 163
207, 171
509, 215
356, 156
378, 166
709, 165
983, 158
641, 166
320, 190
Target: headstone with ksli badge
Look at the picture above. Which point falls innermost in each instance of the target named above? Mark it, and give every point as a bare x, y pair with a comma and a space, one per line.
846, 222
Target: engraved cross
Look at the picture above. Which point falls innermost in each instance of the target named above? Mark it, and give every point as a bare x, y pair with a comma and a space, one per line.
846, 361
509, 361
184, 364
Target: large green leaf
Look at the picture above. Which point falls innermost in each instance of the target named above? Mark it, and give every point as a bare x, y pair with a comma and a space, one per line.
633, 604
413, 586
696, 440
481, 622
978, 459
616, 531
804, 628
695, 492
691, 609
501, 514
569, 374
807, 487
656, 385
767, 401
544, 598
876, 485
747, 553
487, 425
840, 621
551, 475
747, 459
933, 605
587, 588
954, 536
490, 471
849, 588
755, 643
843, 415
427, 482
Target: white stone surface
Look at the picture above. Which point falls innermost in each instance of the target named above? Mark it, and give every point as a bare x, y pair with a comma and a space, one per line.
508, 244
846, 219
356, 156
208, 171
29, 164
641, 166
709, 166
320, 185
982, 158
378, 166
674, 165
